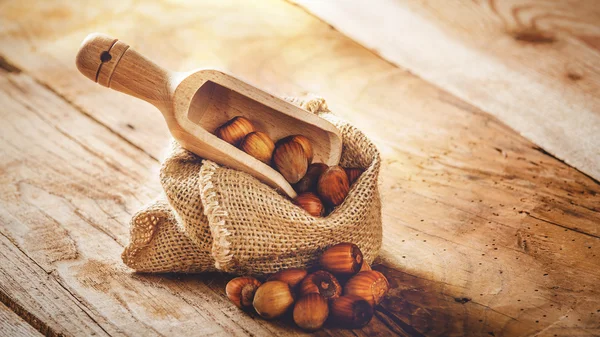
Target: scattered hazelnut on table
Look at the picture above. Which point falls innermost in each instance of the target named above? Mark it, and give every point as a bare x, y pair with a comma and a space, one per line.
321, 282
344, 259
291, 276
316, 297
351, 311
241, 291
370, 285
272, 299
311, 311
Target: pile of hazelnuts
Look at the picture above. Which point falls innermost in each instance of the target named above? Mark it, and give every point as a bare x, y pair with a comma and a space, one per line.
315, 297
320, 188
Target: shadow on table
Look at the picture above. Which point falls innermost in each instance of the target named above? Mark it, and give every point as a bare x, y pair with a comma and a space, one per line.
414, 306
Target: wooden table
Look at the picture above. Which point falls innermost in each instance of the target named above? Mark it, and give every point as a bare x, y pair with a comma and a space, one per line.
485, 234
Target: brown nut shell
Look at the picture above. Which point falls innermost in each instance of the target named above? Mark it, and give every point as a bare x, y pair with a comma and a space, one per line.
259, 145
321, 282
308, 183
305, 143
241, 290
290, 160
291, 276
353, 174
273, 299
344, 259
311, 311
234, 130
311, 203
350, 311
365, 267
370, 285
333, 186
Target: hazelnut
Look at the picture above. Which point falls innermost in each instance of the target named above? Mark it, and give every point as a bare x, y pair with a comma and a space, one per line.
234, 130
258, 145
353, 174
344, 258
333, 186
291, 276
370, 285
321, 282
308, 183
310, 203
290, 160
305, 143
311, 311
241, 291
273, 299
351, 311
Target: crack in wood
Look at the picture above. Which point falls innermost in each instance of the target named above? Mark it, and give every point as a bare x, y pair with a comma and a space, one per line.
563, 226
544, 152
21, 311
18, 309
7, 66
398, 326
27, 316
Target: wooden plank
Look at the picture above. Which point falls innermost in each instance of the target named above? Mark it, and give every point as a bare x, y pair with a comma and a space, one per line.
528, 62
456, 182
13, 325
69, 187
29, 291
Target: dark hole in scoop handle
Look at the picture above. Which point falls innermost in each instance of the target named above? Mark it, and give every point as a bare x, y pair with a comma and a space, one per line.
112, 63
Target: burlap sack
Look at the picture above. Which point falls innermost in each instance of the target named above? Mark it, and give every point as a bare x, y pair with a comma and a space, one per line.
219, 218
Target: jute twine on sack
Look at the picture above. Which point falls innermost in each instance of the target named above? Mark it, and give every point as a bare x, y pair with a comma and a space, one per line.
216, 218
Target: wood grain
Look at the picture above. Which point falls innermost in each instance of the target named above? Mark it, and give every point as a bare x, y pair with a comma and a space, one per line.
531, 63
32, 293
484, 232
13, 325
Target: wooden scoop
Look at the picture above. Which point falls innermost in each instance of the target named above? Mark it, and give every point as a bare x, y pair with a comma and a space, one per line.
195, 103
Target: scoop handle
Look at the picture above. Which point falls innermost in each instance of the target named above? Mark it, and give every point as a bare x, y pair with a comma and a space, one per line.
113, 64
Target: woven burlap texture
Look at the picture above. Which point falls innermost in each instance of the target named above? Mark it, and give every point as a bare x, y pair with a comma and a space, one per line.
217, 218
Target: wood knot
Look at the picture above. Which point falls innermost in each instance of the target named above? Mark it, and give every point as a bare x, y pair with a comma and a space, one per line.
574, 76
462, 300
534, 36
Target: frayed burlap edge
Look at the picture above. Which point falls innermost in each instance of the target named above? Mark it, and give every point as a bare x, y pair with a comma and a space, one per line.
216, 215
